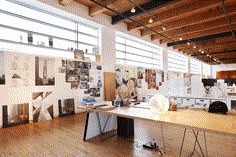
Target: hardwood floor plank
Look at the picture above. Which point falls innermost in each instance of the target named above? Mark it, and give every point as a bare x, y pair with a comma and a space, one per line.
63, 137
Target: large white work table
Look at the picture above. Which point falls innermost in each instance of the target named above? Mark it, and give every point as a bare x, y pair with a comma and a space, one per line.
185, 118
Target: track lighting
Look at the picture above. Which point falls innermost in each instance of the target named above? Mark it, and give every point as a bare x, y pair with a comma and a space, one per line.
188, 43
133, 10
180, 38
194, 46
164, 28
202, 52
150, 20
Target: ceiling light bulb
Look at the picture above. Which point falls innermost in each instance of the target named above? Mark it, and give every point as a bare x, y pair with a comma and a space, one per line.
194, 46
164, 28
150, 20
207, 55
202, 52
210, 56
180, 38
188, 43
133, 10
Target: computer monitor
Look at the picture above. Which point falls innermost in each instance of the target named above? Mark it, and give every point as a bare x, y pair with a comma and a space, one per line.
230, 81
209, 82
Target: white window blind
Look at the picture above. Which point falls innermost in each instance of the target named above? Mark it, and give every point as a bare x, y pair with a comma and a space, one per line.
195, 66
138, 53
206, 69
49, 29
177, 62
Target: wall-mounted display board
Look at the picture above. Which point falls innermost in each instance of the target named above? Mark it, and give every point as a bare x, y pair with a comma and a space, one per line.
50, 86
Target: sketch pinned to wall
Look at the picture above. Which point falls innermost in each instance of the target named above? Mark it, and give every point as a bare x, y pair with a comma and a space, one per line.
19, 69
15, 114
140, 73
126, 83
42, 106
150, 78
62, 68
66, 107
44, 71
2, 69
187, 82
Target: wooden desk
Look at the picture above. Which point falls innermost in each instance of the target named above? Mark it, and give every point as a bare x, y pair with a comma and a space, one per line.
186, 118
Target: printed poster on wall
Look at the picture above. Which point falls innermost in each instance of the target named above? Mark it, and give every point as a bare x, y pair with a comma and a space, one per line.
150, 78
42, 106
126, 82
44, 71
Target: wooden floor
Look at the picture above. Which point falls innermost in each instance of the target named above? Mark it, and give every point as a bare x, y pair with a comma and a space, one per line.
63, 137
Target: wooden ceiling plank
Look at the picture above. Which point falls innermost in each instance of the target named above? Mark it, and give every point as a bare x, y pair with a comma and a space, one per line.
199, 27
64, 2
208, 15
149, 6
209, 31
95, 10
189, 8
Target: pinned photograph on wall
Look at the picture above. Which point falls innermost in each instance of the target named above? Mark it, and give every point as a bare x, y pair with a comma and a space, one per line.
44, 71
84, 85
79, 54
66, 107
70, 64
84, 78
87, 91
75, 85
62, 69
150, 78
42, 106
95, 92
15, 114
99, 83
2, 69
86, 65
140, 73
72, 75
99, 67
84, 72
139, 83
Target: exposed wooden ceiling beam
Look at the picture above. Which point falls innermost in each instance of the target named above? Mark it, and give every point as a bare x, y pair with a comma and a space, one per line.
187, 9
208, 15
216, 52
204, 38
95, 10
150, 6
64, 2
221, 59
